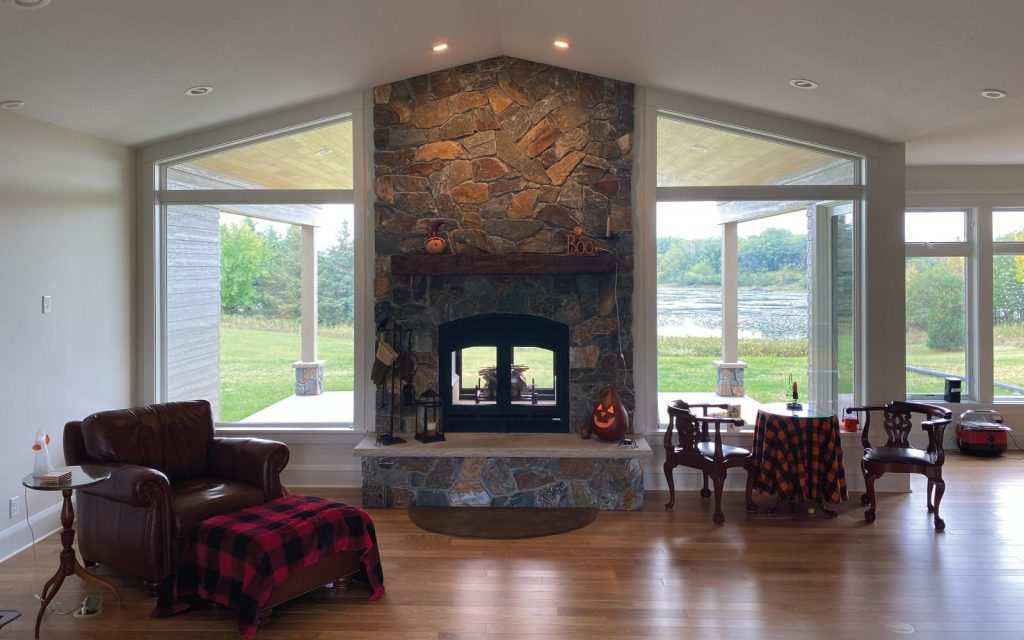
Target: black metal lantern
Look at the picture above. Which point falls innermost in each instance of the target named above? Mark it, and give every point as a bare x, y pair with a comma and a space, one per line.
429, 417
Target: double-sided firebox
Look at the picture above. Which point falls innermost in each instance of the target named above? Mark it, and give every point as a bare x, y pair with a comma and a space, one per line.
504, 372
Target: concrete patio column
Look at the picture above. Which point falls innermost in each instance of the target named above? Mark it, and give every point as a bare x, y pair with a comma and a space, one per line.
730, 369
730, 293
309, 372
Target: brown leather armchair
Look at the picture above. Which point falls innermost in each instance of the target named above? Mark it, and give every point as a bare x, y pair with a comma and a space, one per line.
169, 473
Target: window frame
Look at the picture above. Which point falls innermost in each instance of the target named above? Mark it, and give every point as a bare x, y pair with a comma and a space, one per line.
856, 194
979, 249
154, 198
996, 248
966, 249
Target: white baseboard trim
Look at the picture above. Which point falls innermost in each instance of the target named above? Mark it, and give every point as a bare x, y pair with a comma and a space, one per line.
16, 539
323, 475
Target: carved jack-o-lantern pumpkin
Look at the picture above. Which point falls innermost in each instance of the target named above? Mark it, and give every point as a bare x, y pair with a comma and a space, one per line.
434, 242
610, 420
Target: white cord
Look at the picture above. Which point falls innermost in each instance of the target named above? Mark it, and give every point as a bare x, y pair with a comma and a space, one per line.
618, 325
32, 535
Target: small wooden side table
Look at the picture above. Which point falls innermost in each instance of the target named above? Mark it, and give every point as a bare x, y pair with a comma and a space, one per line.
69, 565
798, 455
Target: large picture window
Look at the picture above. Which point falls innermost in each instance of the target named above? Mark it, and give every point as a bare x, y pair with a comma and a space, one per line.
259, 278
755, 289
965, 302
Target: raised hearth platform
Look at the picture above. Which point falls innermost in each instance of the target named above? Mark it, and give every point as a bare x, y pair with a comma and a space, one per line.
504, 470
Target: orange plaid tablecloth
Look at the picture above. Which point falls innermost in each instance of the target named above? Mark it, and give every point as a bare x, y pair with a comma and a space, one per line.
799, 457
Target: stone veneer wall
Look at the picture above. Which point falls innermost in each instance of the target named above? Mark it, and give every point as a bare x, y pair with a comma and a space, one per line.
512, 155
604, 483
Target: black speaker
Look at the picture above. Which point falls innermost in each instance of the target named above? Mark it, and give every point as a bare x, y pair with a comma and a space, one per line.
952, 390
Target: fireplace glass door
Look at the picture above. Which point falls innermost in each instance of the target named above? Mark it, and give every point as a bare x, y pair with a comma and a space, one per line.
505, 372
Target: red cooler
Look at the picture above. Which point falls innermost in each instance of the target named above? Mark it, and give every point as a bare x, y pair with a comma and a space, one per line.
981, 432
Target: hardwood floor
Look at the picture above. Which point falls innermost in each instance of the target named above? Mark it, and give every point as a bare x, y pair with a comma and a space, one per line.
652, 574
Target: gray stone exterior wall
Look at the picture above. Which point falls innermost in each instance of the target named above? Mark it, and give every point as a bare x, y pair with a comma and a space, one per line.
513, 156
603, 483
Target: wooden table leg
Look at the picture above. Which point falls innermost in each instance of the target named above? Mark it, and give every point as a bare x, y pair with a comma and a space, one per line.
69, 564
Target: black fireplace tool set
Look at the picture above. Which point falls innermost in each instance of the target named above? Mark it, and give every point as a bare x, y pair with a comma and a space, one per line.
397, 391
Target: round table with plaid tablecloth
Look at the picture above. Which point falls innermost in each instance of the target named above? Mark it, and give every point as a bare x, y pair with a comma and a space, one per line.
798, 455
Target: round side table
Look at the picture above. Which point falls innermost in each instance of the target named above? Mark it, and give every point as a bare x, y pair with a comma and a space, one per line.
81, 477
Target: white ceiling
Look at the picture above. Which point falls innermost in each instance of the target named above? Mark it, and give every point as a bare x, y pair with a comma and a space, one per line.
907, 71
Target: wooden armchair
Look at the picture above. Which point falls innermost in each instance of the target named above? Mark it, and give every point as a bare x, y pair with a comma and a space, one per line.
897, 455
696, 450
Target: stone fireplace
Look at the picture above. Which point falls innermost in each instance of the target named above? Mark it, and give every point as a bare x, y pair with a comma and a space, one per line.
518, 161
513, 156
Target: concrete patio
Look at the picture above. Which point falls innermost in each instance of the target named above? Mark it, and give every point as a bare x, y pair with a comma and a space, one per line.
330, 406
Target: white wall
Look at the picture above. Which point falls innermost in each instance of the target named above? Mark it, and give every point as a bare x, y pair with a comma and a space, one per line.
66, 231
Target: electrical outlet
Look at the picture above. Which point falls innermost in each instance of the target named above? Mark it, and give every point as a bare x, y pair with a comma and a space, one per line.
47, 304
12, 507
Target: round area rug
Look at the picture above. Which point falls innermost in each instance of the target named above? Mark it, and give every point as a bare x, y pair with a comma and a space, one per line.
500, 522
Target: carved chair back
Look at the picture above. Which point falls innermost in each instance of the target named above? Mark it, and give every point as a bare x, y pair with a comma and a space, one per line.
898, 423
689, 432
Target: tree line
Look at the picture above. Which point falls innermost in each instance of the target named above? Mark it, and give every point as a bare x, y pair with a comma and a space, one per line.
935, 297
774, 257
261, 274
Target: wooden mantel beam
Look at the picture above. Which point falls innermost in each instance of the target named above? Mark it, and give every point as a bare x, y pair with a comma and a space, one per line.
485, 264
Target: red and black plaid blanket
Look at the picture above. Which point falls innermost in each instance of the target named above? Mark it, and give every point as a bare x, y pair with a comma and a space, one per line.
799, 458
236, 559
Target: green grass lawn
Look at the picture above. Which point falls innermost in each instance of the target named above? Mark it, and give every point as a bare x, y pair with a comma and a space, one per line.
256, 364
686, 365
1008, 364
257, 356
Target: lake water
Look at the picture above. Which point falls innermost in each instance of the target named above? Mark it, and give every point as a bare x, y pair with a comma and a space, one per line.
763, 313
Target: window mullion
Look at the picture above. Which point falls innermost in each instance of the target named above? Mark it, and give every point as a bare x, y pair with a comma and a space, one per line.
980, 334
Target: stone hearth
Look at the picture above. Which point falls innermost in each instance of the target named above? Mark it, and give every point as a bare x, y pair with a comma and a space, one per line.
504, 470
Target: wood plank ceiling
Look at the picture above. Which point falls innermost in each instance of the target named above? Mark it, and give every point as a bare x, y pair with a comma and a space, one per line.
313, 159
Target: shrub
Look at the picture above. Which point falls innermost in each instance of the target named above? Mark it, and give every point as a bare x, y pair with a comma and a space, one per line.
946, 324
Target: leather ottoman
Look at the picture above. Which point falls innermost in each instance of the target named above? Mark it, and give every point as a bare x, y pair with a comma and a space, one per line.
337, 570
257, 558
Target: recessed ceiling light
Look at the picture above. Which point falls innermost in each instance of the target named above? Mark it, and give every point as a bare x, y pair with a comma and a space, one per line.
12, 104
993, 94
27, 4
561, 44
323, 152
698, 149
201, 90
441, 46
803, 83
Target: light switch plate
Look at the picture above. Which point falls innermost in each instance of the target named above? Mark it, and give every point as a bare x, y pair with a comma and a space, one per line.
47, 304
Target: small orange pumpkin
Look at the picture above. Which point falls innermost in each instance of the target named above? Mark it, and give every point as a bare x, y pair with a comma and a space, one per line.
434, 242
609, 419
